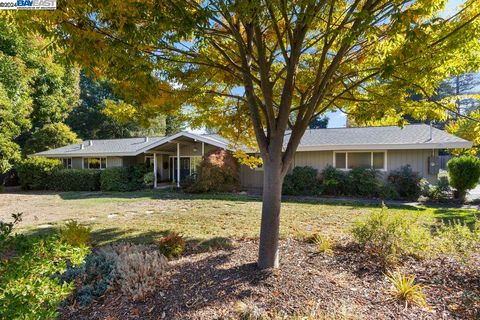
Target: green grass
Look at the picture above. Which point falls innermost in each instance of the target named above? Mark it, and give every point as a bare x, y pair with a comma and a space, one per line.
145, 215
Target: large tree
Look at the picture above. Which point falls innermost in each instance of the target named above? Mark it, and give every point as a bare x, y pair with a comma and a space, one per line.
263, 67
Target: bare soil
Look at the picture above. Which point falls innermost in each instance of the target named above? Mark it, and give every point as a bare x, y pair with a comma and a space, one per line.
344, 285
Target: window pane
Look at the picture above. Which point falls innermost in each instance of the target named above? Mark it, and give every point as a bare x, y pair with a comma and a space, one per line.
378, 160
359, 160
104, 163
85, 163
340, 160
94, 163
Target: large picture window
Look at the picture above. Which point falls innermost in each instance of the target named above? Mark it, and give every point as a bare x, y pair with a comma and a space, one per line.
95, 163
346, 160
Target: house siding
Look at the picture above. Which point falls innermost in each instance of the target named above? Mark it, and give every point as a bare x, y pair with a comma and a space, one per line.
417, 159
114, 162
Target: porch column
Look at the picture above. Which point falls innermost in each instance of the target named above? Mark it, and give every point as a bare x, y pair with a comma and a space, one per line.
178, 164
154, 170
203, 149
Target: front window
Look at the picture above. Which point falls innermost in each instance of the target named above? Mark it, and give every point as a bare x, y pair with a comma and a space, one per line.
67, 163
362, 159
95, 163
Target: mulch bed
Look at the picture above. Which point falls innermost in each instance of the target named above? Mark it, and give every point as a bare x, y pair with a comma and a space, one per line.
346, 283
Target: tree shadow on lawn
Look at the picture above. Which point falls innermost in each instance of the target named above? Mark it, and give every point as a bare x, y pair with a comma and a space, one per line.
102, 237
464, 217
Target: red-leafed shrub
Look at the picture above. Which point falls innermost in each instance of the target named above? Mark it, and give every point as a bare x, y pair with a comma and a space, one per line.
218, 172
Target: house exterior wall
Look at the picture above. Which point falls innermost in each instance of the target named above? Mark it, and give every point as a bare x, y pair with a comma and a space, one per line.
417, 159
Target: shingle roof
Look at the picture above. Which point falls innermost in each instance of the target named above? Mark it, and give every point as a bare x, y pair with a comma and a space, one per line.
415, 136
391, 137
128, 146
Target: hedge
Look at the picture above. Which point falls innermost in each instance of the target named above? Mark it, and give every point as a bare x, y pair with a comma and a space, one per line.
75, 180
36, 172
122, 179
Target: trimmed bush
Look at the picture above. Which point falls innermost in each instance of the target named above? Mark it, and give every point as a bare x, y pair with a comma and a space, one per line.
334, 181
363, 182
75, 180
217, 172
122, 179
302, 181
36, 172
463, 173
407, 182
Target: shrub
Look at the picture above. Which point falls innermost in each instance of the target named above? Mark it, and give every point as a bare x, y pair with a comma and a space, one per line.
458, 239
139, 270
95, 276
334, 181
323, 243
29, 283
302, 181
387, 190
216, 243
36, 172
406, 181
122, 179
172, 245
75, 180
75, 234
218, 171
363, 182
149, 179
464, 173
405, 289
391, 236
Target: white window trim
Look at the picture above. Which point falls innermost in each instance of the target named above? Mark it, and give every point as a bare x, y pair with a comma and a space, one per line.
106, 163
385, 158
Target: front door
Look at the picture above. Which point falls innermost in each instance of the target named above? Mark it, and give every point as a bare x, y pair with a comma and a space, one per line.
184, 168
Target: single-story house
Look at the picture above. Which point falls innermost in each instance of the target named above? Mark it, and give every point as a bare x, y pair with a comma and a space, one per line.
382, 148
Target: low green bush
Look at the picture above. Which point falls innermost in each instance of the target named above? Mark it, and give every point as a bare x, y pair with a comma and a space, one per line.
75, 234
149, 179
463, 173
388, 191
406, 181
172, 245
458, 240
363, 182
334, 181
30, 287
6, 229
36, 172
302, 181
389, 236
75, 180
122, 178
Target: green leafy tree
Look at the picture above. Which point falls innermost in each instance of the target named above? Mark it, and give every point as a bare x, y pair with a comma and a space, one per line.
89, 120
257, 68
51, 136
320, 122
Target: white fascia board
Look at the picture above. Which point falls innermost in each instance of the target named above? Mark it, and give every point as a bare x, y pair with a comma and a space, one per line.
188, 135
445, 145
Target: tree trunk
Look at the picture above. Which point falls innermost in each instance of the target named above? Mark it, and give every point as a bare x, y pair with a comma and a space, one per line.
270, 226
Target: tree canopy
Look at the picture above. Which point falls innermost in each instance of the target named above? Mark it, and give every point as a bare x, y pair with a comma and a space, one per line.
258, 68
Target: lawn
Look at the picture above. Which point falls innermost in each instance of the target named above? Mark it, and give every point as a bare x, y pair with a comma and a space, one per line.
144, 215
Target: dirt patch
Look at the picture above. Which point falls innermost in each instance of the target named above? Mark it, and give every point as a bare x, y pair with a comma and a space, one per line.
346, 283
